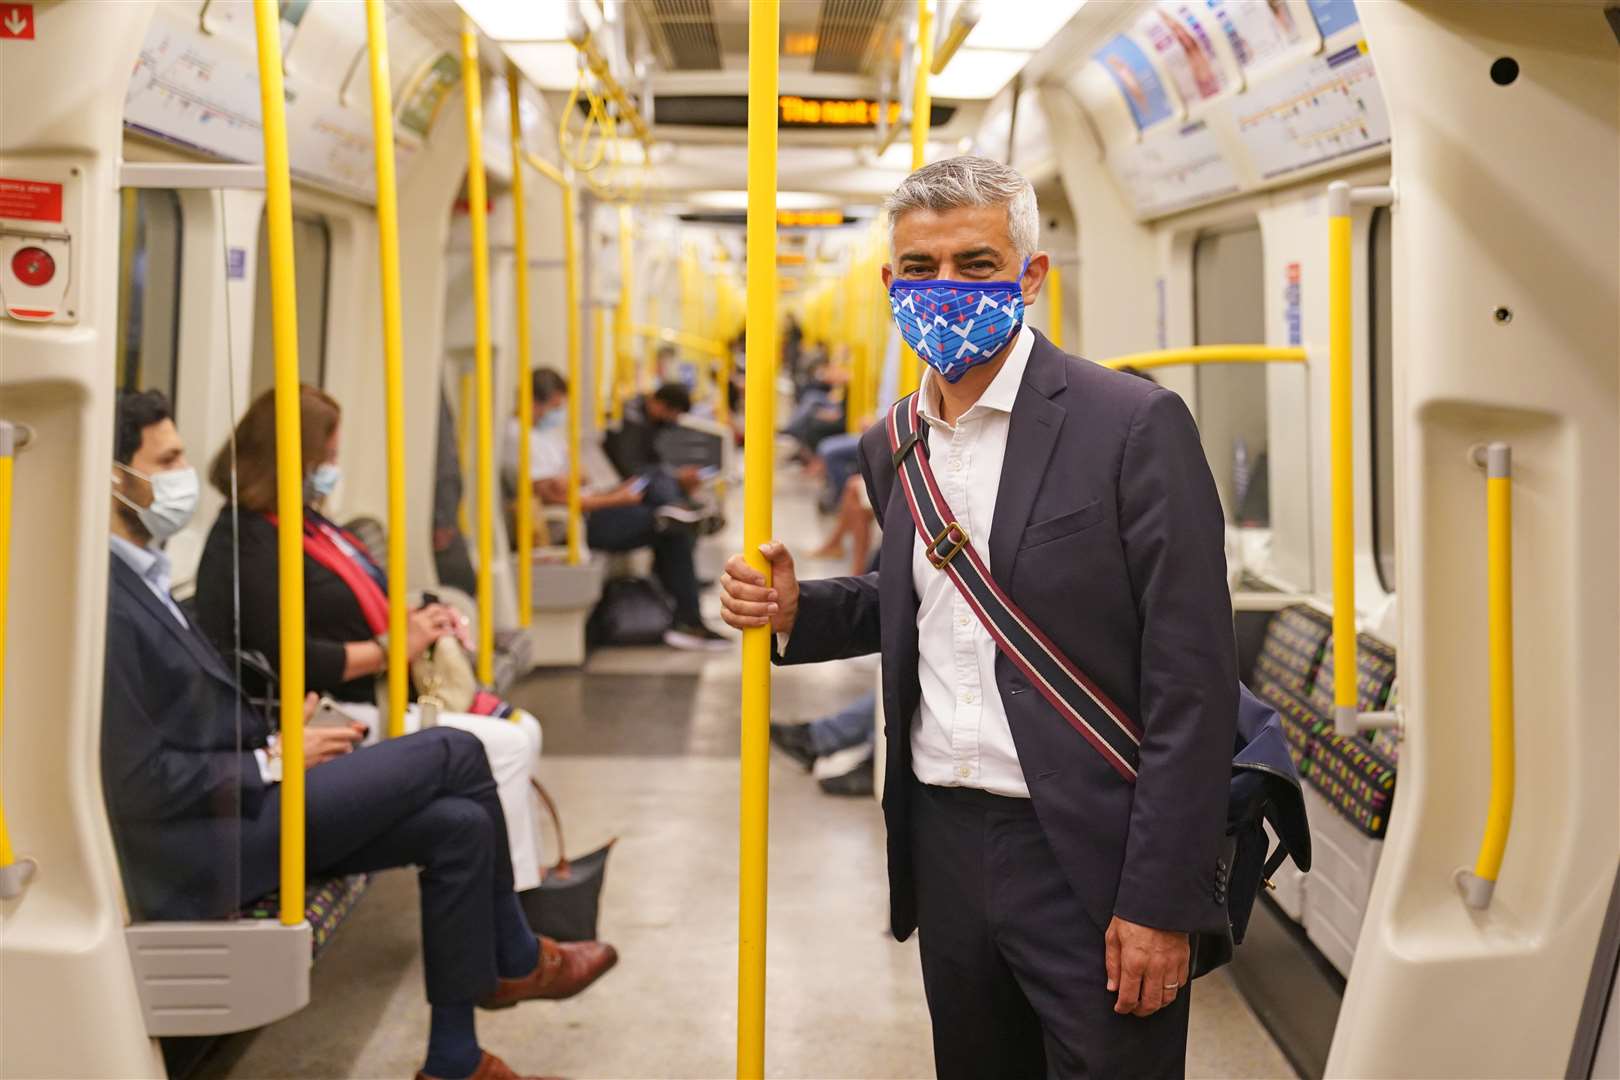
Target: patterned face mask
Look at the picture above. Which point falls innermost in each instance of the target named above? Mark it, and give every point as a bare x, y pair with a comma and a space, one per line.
957, 325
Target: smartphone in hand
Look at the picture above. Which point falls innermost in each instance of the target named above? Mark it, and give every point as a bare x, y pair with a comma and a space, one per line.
327, 714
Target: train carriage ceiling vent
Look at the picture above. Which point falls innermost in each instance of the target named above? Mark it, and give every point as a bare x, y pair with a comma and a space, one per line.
850, 33
682, 33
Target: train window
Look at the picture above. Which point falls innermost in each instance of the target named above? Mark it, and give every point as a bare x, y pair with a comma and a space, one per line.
312, 256
1229, 308
1381, 392
149, 290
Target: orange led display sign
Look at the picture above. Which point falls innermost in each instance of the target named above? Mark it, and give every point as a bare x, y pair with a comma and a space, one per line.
798, 219
832, 112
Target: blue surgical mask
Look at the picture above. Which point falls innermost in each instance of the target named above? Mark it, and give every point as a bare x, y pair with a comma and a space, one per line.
551, 421
174, 500
957, 325
324, 480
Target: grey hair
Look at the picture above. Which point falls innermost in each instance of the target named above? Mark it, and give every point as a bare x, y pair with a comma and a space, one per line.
971, 181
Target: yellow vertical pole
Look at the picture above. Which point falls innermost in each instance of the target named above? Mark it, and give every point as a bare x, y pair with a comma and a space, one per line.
289, 454
605, 376
1340, 457
478, 211
1054, 299
764, 18
382, 131
623, 354
921, 113
8, 461
576, 371
652, 376
525, 356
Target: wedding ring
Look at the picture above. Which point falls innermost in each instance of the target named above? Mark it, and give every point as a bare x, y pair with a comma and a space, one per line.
1172, 986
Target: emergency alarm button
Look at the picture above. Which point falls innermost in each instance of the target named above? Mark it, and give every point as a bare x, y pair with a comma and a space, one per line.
33, 266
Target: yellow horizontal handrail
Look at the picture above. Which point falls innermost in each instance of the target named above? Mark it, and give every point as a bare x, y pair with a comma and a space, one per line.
604, 74
1477, 887
1209, 354
686, 340
545, 168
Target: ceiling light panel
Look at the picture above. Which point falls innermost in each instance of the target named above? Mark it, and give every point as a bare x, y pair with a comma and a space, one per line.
529, 20
1028, 25
977, 73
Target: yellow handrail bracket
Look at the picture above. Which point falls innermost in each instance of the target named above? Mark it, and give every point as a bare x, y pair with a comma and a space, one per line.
289, 455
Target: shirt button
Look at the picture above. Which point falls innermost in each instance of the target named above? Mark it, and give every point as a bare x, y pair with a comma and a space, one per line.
964, 772
956, 464
962, 620
968, 697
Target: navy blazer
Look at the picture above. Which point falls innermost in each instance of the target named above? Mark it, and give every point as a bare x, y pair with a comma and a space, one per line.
1109, 534
177, 764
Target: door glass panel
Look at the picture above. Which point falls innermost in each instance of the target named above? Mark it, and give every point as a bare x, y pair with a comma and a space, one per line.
1229, 308
148, 290
1381, 391
312, 256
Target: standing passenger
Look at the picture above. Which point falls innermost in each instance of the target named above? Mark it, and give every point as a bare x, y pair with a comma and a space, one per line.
1054, 889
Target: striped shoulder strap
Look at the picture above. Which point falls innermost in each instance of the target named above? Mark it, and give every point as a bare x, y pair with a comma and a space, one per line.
948, 549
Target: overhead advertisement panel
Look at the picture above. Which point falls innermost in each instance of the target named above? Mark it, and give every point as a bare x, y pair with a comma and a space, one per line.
1173, 171
1324, 109
1259, 31
1334, 15
1181, 41
1133, 73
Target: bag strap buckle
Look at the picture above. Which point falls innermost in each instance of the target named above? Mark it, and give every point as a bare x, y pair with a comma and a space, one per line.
953, 535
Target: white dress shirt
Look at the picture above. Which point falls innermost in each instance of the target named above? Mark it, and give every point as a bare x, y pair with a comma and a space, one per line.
960, 737
151, 565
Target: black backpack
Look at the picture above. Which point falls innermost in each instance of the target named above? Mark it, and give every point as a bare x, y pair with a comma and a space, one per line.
632, 611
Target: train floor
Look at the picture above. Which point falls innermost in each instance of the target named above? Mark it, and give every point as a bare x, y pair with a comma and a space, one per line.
642, 745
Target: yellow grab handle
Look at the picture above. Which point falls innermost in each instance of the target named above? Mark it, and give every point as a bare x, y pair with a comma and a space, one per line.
1054, 299
478, 214
382, 129
289, 455
7, 465
1478, 887
759, 444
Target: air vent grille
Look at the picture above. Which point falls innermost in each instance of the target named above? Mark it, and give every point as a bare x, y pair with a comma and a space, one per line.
849, 33
683, 33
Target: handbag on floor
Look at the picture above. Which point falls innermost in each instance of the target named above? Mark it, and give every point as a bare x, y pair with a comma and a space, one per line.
565, 905
632, 611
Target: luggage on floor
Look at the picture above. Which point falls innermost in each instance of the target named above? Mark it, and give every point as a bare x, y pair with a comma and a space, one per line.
632, 611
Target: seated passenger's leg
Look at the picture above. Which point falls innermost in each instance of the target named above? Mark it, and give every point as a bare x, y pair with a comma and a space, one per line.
849, 727
677, 572
620, 528
512, 749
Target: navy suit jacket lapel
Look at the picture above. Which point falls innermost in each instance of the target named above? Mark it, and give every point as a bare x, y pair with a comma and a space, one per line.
1031, 438
190, 640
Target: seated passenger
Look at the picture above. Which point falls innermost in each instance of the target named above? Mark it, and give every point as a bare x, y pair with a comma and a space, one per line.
847, 734
855, 520
649, 510
191, 775
632, 447
345, 605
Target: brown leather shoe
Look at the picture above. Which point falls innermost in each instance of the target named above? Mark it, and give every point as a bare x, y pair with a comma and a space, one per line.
491, 1067
565, 968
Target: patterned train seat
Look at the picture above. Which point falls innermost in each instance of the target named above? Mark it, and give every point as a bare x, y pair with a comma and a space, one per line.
326, 905
1355, 774
1284, 672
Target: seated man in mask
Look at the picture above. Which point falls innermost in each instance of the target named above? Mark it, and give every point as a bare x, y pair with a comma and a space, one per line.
192, 781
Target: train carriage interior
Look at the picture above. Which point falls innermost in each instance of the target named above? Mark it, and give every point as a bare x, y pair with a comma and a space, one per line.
491, 329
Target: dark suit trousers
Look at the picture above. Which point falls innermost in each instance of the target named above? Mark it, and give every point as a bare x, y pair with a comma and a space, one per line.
425, 800
1012, 965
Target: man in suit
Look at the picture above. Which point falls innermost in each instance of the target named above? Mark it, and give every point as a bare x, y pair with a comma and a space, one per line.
191, 773
1054, 894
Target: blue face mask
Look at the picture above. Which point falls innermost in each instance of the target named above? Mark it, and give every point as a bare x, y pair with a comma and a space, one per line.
324, 480
551, 421
957, 325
